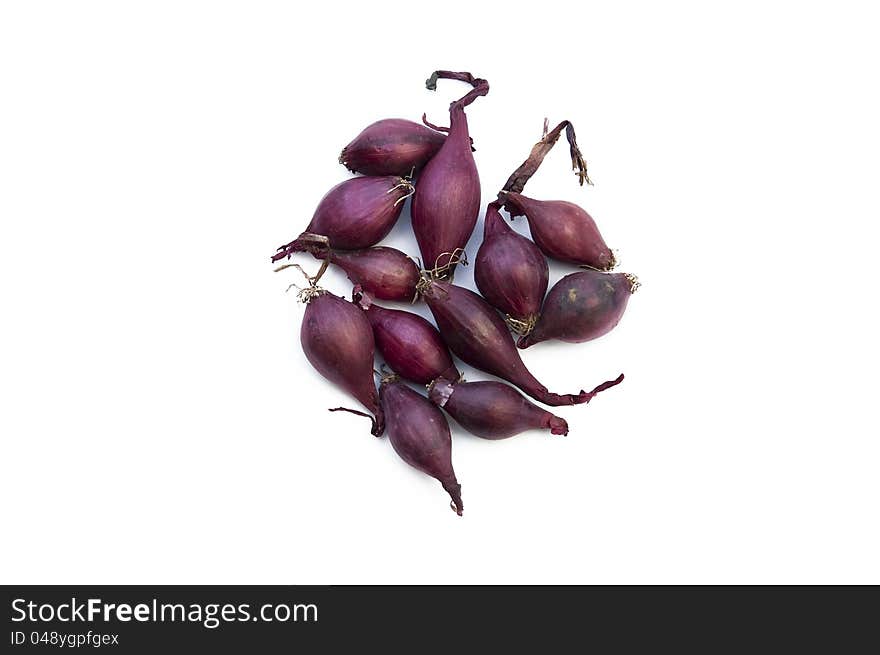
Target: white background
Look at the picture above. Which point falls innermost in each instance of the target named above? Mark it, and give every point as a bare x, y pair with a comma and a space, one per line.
160, 423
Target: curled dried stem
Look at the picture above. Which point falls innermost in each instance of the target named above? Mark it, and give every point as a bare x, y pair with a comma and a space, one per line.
444, 130
404, 183
440, 271
517, 180
306, 294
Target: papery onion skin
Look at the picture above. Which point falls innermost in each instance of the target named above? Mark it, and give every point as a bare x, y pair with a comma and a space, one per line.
384, 272
475, 332
420, 435
492, 410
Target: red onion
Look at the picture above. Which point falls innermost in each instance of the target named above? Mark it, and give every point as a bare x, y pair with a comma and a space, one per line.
338, 341
510, 272
582, 306
393, 146
517, 180
419, 433
384, 272
447, 199
356, 213
477, 334
408, 343
492, 410
563, 231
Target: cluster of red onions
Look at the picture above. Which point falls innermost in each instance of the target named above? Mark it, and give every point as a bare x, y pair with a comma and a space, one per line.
340, 338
